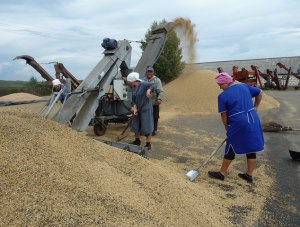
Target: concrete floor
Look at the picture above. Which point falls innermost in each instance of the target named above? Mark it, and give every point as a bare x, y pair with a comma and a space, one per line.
287, 171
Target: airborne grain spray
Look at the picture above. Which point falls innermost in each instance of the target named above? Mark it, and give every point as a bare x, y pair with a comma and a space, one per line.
185, 31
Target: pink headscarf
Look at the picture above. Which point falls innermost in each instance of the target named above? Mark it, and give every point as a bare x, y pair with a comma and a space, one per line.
223, 78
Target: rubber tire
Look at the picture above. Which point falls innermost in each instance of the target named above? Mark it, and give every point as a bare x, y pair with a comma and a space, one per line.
99, 130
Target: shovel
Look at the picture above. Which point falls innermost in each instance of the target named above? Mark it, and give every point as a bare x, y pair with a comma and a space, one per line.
192, 174
123, 135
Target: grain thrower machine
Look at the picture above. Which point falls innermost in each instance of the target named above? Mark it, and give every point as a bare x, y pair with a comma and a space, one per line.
103, 96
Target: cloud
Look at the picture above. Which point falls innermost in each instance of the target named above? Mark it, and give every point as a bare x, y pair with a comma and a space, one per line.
71, 31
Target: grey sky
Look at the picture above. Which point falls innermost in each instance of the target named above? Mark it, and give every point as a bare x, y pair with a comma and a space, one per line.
71, 32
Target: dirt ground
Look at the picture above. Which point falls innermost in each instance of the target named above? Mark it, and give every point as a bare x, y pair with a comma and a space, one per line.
53, 175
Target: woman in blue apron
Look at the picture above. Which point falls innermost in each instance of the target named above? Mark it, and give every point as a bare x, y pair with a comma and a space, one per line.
242, 124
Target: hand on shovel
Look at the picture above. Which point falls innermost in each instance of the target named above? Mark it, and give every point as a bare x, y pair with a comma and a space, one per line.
123, 135
134, 111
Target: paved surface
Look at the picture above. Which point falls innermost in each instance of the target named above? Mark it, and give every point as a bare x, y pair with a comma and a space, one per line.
283, 206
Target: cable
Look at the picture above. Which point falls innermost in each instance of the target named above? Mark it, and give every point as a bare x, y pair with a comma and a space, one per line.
42, 32
132, 41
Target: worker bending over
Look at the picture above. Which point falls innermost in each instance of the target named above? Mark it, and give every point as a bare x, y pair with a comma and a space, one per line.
142, 123
241, 122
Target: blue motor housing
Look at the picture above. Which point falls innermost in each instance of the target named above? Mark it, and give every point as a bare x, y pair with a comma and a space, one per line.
109, 44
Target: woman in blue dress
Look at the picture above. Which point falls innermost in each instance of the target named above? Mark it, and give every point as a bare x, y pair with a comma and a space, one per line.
57, 87
142, 108
241, 122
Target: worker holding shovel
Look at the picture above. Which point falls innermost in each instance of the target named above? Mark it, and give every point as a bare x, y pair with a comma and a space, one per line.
242, 124
142, 123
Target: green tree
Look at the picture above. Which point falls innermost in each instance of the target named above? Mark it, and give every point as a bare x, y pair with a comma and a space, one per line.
38, 88
169, 64
44, 88
32, 85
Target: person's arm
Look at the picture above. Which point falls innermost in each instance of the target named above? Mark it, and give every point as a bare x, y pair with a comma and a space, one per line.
149, 88
134, 109
224, 119
160, 92
133, 103
149, 92
257, 93
257, 100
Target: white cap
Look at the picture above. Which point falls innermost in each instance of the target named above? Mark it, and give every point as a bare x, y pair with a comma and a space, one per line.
56, 82
133, 77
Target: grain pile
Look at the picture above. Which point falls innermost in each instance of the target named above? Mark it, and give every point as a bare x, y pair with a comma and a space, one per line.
52, 175
197, 93
19, 97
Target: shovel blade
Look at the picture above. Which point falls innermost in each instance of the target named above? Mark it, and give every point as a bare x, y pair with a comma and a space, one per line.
192, 174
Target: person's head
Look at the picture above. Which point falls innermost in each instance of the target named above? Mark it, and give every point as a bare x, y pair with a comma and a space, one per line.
56, 84
224, 80
149, 72
133, 79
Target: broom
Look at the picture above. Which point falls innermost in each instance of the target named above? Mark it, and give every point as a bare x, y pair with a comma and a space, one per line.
275, 127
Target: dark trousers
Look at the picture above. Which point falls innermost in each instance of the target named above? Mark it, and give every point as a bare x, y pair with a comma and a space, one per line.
155, 116
231, 155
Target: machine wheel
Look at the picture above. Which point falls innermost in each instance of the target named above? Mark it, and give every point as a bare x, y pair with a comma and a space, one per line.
100, 128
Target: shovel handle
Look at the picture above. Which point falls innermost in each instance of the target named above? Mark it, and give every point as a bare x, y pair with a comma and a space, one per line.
212, 154
122, 136
128, 124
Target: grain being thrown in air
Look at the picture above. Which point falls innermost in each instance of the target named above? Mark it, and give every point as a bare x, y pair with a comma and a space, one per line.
185, 31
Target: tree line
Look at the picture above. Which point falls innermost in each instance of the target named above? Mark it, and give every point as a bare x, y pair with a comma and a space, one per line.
32, 87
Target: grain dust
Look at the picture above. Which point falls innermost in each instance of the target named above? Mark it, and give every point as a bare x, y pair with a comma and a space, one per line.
185, 31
